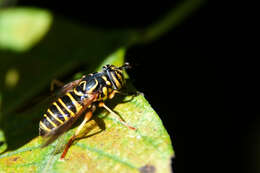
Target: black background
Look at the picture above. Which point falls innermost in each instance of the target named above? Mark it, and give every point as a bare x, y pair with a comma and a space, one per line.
201, 77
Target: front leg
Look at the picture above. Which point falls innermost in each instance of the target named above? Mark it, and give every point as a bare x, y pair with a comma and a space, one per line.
122, 121
113, 93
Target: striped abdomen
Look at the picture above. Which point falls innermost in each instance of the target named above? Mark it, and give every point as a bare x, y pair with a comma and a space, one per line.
60, 111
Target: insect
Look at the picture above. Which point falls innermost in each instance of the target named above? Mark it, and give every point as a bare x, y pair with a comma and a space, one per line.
82, 96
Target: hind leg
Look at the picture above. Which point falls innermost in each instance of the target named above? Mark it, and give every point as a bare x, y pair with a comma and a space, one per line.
87, 117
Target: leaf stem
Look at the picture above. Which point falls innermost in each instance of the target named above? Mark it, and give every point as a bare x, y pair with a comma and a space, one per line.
169, 21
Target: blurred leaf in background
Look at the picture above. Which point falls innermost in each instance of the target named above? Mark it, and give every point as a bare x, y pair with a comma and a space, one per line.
36, 47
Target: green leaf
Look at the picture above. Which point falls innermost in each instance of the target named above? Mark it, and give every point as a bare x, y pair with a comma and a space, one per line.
36, 47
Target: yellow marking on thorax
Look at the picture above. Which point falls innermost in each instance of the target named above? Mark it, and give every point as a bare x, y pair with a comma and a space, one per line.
48, 119
107, 82
44, 127
94, 87
78, 93
76, 104
104, 77
64, 115
84, 85
104, 90
54, 116
64, 105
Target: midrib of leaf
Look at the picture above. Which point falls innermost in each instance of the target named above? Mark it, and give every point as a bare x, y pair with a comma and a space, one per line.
47, 164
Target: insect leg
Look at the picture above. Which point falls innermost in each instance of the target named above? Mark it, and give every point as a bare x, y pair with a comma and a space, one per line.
102, 104
87, 117
114, 92
112, 95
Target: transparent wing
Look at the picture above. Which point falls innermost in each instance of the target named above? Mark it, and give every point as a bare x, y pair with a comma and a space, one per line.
45, 97
58, 131
69, 86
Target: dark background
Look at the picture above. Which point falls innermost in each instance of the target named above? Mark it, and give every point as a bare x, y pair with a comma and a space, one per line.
201, 77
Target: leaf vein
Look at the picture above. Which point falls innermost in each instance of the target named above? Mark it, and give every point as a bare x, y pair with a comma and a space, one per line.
113, 157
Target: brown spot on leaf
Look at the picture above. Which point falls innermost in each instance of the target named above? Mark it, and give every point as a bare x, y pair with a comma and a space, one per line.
147, 169
14, 159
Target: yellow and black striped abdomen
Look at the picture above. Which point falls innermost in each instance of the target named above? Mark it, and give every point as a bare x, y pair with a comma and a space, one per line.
60, 111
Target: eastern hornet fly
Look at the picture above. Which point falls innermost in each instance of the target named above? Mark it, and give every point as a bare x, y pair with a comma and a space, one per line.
81, 96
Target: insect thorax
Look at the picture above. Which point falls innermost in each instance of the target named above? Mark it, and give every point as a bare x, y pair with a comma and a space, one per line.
102, 83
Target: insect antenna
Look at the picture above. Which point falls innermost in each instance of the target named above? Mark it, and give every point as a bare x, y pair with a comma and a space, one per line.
125, 66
